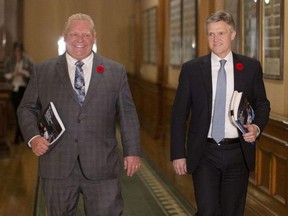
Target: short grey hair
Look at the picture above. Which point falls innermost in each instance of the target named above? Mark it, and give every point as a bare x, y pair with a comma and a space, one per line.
221, 16
79, 16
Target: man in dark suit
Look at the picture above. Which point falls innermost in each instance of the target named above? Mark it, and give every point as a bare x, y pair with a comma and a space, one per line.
85, 158
220, 169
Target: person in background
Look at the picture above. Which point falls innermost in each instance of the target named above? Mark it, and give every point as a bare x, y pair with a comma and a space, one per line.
17, 69
220, 167
91, 93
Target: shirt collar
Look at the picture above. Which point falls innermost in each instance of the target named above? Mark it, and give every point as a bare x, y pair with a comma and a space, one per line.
72, 60
215, 59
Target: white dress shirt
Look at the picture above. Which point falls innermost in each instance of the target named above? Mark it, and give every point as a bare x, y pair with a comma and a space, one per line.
87, 69
230, 129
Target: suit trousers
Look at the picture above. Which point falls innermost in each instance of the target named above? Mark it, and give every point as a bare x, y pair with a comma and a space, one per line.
101, 197
221, 180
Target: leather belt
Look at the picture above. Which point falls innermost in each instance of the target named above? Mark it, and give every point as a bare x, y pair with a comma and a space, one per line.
225, 141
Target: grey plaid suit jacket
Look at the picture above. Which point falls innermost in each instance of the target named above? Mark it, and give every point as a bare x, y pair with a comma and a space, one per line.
90, 129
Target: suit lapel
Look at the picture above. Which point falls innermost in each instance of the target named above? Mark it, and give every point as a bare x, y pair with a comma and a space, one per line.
62, 70
96, 78
207, 77
239, 73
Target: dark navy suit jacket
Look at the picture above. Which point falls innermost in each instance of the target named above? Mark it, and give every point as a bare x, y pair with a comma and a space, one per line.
194, 96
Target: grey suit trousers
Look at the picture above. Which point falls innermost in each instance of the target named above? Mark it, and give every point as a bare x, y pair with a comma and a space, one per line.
101, 197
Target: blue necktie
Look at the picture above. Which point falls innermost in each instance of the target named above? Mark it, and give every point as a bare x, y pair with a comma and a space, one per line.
79, 82
218, 124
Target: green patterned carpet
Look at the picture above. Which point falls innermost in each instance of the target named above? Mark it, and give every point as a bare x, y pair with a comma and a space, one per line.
145, 194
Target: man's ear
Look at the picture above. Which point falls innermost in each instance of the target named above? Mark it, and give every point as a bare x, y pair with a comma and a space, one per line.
233, 35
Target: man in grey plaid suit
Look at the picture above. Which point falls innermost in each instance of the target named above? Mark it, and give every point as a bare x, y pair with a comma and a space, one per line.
85, 158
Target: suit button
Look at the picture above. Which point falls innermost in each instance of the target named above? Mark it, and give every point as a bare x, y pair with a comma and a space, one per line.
76, 140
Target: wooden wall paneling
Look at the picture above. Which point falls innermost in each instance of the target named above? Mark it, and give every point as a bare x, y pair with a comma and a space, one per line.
279, 178
138, 36
162, 73
136, 94
146, 98
269, 188
169, 96
204, 9
150, 97
264, 169
5, 91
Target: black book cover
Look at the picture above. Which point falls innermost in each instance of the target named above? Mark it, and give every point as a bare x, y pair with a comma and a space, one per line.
50, 124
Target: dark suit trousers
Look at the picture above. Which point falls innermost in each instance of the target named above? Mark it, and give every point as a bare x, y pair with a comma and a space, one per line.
101, 198
221, 180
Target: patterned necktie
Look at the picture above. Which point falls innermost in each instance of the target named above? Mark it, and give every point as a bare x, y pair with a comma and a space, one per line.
218, 126
79, 82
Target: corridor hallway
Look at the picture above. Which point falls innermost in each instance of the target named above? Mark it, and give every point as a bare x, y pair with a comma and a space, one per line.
145, 194
154, 191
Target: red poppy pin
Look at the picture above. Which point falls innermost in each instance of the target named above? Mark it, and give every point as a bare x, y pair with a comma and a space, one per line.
239, 66
100, 68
